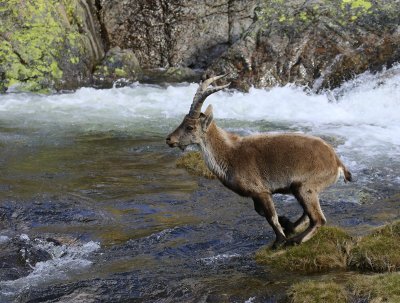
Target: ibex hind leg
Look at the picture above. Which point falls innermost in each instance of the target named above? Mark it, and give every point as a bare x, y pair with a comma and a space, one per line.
308, 198
291, 228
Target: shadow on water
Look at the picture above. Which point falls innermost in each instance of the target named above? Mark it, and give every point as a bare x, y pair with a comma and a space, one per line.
164, 235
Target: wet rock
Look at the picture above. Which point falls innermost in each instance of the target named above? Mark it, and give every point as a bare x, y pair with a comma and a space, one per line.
18, 257
117, 65
171, 75
319, 44
47, 45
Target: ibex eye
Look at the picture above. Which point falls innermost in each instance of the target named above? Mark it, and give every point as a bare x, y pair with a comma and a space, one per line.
189, 127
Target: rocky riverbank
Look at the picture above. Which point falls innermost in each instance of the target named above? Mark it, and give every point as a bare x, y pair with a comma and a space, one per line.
65, 44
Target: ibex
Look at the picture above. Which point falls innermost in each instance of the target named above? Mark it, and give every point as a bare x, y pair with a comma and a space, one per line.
259, 166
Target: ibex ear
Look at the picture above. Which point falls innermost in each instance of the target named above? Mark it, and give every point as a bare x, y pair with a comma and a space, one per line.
207, 118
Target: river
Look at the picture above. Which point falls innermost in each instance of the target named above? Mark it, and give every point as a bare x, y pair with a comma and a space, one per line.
91, 169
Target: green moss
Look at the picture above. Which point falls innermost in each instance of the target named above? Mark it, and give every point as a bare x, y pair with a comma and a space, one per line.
119, 72
358, 4
194, 163
327, 250
303, 13
378, 251
35, 36
377, 288
317, 291
75, 60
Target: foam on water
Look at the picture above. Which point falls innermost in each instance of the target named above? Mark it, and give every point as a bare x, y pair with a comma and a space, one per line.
65, 259
364, 111
219, 258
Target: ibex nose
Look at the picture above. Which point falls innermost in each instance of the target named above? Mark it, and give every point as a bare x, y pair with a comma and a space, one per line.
169, 142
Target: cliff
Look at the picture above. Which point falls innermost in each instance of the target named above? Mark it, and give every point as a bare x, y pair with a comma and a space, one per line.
65, 44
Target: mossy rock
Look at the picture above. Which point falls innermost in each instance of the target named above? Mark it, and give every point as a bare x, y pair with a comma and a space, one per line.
46, 45
379, 251
317, 291
376, 288
327, 250
193, 162
119, 67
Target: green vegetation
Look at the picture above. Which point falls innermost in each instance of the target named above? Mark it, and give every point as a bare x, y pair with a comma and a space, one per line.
377, 288
194, 163
333, 249
379, 251
327, 250
358, 288
317, 291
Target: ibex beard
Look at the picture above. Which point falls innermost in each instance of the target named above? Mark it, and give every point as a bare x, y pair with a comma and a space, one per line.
259, 166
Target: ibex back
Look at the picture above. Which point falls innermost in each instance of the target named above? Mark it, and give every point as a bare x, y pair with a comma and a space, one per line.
261, 165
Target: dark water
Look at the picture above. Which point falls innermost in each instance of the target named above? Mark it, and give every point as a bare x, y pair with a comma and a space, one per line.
134, 228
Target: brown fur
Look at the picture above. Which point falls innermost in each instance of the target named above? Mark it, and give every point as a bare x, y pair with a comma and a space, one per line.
261, 165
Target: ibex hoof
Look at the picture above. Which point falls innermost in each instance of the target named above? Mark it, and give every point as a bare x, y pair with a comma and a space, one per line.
291, 242
279, 243
287, 225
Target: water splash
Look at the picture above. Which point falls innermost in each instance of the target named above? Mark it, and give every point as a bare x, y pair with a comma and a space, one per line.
66, 259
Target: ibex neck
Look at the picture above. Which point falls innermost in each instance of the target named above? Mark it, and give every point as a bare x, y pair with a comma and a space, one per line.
216, 148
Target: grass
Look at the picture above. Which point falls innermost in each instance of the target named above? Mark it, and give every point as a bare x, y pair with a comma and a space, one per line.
193, 162
379, 251
327, 250
377, 288
317, 291
359, 288
333, 249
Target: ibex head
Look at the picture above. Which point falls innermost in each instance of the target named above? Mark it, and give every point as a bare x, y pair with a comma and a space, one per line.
195, 124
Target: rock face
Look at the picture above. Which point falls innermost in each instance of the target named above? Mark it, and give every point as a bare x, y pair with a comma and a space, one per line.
165, 33
48, 44
314, 43
63, 44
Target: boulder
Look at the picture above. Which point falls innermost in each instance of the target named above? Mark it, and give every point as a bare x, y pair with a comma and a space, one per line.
118, 67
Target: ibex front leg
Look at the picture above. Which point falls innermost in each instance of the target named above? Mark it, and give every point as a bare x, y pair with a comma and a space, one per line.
264, 200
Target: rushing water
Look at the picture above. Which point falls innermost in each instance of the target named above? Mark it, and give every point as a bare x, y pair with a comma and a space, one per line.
91, 169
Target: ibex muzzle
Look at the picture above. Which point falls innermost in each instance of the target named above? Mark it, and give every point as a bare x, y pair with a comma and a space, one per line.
259, 166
